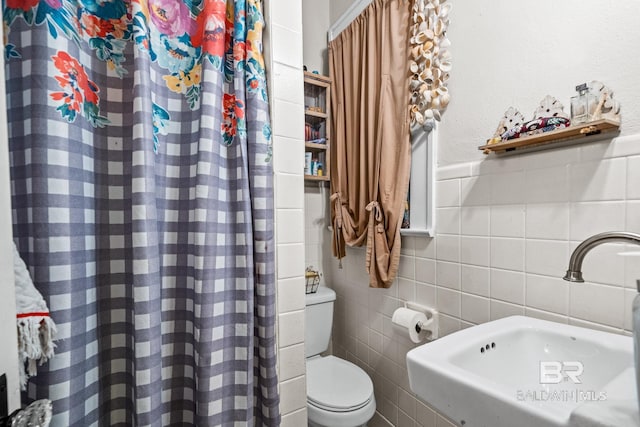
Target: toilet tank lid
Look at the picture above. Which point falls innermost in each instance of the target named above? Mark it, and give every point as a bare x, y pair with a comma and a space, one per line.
323, 295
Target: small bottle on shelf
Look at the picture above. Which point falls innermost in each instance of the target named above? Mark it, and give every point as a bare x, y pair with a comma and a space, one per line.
307, 163
582, 104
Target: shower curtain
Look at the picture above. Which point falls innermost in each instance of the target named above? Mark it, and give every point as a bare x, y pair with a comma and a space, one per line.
142, 203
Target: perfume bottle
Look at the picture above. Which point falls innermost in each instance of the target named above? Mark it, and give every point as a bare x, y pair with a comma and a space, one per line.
582, 104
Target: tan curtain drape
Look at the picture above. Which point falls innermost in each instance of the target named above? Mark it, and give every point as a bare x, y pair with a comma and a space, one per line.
371, 151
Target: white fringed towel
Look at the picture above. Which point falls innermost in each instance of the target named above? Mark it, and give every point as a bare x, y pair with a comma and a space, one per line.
36, 330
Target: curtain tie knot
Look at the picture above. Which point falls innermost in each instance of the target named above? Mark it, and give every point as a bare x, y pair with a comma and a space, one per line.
336, 199
377, 215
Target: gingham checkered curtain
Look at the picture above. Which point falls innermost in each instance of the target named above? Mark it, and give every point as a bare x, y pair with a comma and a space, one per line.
142, 203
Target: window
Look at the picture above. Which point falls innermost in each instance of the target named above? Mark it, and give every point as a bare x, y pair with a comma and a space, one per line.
422, 184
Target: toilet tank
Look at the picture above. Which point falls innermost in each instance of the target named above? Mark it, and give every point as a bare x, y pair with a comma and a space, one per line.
318, 320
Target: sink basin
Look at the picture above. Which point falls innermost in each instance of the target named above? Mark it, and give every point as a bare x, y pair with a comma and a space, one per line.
520, 371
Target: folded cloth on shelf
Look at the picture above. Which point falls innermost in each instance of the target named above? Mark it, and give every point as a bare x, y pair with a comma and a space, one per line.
533, 127
36, 329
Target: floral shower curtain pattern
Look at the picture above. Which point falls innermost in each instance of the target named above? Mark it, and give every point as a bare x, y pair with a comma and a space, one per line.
142, 203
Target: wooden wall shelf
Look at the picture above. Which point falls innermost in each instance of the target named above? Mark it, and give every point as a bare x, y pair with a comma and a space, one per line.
317, 100
315, 147
317, 78
316, 178
316, 114
581, 131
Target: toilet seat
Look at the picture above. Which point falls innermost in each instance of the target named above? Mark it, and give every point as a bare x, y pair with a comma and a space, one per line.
336, 385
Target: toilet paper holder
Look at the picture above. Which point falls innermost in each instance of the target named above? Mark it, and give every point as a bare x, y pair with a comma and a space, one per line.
432, 323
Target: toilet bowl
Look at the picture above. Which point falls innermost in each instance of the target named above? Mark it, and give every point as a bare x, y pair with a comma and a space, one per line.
339, 393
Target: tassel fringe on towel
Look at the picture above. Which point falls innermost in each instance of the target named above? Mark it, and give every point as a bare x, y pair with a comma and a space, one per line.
36, 330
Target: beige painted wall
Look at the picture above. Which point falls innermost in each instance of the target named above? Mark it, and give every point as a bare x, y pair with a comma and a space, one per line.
315, 23
337, 8
8, 334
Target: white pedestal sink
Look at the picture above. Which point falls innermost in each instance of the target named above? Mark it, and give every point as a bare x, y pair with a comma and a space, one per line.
521, 372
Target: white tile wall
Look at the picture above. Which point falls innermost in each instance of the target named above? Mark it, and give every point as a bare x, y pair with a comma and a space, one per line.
295, 419
507, 253
293, 197
631, 269
426, 270
547, 221
291, 364
287, 155
291, 328
474, 220
287, 42
507, 286
289, 224
547, 185
474, 250
449, 220
586, 219
604, 265
633, 178
507, 220
287, 82
289, 297
502, 309
448, 193
474, 309
293, 395
505, 230
475, 190
608, 299
475, 280
283, 47
547, 293
448, 247
633, 212
282, 11
599, 180
448, 301
547, 257
506, 188
448, 274
290, 260
407, 267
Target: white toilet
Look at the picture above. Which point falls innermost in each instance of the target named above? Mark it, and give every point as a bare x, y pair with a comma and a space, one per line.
339, 393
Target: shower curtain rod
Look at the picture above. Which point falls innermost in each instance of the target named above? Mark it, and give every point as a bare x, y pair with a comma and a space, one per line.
347, 18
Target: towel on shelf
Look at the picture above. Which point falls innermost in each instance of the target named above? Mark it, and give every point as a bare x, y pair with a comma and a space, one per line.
36, 329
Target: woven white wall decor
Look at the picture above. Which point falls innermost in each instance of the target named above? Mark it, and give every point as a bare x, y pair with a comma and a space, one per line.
430, 60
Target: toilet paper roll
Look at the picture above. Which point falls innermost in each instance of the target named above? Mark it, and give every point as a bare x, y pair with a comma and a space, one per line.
406, 321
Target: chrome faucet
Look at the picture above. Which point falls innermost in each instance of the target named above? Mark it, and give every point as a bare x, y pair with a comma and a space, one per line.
574, 273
